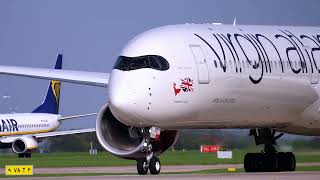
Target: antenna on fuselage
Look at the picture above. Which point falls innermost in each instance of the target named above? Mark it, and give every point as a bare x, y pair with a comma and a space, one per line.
235, 21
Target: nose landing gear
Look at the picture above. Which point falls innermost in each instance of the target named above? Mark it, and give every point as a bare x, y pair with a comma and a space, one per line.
150, 162
143, 165
269, 160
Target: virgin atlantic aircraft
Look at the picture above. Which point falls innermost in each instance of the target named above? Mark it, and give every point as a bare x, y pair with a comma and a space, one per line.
194, 76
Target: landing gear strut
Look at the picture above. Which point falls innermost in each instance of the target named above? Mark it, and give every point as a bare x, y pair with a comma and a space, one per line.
269, 160
150, 162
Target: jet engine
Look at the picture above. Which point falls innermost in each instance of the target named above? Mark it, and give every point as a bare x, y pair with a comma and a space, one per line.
129, 142
24, 144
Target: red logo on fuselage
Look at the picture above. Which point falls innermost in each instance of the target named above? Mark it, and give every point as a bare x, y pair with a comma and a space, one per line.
186, 86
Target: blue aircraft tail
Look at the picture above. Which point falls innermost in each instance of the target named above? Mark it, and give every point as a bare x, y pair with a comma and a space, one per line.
51, 101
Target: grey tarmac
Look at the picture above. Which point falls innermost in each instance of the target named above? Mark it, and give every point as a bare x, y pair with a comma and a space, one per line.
133, 169
232, 176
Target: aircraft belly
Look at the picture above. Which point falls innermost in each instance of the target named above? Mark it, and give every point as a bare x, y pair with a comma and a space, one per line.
308, 122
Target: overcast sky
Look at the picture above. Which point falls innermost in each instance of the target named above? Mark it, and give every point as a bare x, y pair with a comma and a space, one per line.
92, 33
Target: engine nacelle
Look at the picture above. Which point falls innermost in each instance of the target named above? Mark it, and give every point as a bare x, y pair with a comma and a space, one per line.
24, 144
127, 142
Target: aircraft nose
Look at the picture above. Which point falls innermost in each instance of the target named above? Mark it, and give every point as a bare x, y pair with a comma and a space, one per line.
121, 96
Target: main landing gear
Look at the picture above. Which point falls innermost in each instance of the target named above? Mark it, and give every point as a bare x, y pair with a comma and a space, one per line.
150, 162
24, 155
269, 160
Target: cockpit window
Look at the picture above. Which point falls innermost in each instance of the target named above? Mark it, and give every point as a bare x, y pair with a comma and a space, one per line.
163, 62
123, 63
149, 61
138, 63
153, 62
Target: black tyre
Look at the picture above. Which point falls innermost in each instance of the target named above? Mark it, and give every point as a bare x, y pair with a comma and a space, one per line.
142, 166
27, 155
282, 161
291, 161
154, 166
271, 162
21, 155
249, 162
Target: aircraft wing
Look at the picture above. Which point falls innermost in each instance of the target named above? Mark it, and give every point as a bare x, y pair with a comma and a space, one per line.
78, 77
62, 133
76, 116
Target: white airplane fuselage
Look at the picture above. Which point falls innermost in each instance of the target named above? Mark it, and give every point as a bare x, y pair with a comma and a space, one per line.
222, 77
28, 123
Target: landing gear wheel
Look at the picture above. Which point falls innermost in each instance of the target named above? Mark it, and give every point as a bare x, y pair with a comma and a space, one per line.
249, 162
142, 166
24, 155
272, 163
269, 160
290, 161
21, 155
27, 155
287, 161
154, 165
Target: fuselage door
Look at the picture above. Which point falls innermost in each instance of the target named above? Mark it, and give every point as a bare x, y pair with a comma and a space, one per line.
202, 66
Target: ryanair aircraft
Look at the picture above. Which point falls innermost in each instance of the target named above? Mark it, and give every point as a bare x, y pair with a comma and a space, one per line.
23, 131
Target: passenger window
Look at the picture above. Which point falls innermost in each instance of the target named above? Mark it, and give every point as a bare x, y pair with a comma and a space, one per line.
280, 64
221, 64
